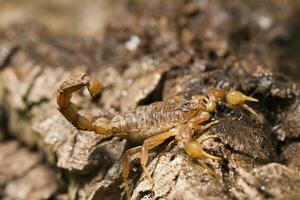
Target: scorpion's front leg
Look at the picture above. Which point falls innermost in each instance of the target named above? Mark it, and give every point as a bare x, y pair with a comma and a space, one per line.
70, 110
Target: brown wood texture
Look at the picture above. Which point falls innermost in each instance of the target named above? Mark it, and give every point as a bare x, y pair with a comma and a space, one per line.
151, 51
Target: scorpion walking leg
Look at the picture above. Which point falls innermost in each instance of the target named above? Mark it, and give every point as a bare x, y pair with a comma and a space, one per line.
67, 108
126, 165
151, 143
148, 144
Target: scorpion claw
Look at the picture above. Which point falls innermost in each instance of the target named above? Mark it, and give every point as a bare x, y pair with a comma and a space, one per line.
236, 98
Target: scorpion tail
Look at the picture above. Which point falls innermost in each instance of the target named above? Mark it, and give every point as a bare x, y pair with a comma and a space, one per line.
70, 110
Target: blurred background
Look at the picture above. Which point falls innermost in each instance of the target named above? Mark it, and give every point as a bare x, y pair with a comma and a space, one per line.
89, 17
126, 43
67, 16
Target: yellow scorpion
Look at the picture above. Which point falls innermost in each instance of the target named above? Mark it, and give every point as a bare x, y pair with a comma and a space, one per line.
150, 125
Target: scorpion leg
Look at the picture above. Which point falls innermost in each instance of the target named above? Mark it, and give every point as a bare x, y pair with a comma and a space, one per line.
126, 165
148, 144
151, 143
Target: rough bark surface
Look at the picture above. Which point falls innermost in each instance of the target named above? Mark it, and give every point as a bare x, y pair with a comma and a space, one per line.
159, 49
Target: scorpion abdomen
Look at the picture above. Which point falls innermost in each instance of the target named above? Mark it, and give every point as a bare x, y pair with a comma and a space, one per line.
158, 114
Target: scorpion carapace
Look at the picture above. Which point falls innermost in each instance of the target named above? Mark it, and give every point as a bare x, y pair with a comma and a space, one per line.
151, 125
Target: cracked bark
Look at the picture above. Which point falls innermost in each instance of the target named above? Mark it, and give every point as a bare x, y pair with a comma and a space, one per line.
18, 172
184, 49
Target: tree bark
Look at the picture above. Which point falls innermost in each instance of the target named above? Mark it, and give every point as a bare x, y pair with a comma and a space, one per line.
158, 50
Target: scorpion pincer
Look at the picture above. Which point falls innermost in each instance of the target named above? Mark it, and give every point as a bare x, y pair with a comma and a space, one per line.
151, 125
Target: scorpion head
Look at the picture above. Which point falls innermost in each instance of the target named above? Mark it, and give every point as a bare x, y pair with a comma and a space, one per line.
198, 102
214, 95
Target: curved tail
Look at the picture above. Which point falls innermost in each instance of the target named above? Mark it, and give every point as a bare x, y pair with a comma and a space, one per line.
70, 110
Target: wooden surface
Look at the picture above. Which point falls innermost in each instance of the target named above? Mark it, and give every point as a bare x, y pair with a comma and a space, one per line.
183, 49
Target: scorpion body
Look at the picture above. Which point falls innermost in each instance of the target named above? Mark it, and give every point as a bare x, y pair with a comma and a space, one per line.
145, 121
151, 125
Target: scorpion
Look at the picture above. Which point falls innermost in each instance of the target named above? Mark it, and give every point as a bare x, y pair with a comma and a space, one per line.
150, 125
